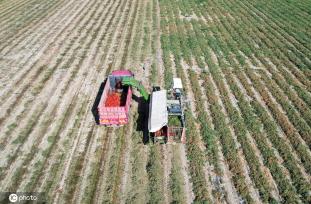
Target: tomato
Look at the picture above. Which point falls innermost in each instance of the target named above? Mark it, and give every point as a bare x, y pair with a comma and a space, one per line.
113, 100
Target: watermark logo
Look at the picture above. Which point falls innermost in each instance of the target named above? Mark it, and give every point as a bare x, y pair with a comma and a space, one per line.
13, 198
22, 197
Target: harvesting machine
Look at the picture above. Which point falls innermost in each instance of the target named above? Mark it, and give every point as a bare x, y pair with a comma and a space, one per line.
166, 121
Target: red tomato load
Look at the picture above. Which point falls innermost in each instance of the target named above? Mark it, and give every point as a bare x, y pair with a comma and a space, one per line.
113, 99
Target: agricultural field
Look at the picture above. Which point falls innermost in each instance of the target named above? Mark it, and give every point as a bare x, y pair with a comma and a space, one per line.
246, 71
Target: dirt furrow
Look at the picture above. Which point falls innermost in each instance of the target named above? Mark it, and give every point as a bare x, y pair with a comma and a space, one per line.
67, 170
271, 180
74, 163
80, 191
187, 187
125, 179
251, 185
32, 47
231, 192
255, 148
166, 150
15, 9
46, 46
295, 84
104, 168
37, 72
166, 156
68, 77
17, 37
29, 17
122, 163
276, 26
52, 137
50, 171
77, 147
89, 63
190, 96
6, 6
130, 180
258, 98
33, 80
128, 61
184, 171
124, 52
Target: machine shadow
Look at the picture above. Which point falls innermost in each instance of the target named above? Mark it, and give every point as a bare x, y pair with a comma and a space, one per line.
142, 120
96, 102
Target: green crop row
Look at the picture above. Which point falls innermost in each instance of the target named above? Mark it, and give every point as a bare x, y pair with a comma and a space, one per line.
299, 182
171, 44
267, 65
305, 154
240, 129
271, 44
218, 119
253, 122
196, 160
229, 147
175, 50
294, 166
298, 121
233, 37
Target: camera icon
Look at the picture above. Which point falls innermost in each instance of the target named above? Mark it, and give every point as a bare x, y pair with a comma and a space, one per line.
13, 198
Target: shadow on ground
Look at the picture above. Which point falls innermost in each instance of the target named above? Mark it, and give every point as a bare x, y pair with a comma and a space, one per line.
142, 119
97, 100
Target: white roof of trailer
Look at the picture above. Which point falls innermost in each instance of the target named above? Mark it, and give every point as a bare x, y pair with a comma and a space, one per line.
177, 83
158, 116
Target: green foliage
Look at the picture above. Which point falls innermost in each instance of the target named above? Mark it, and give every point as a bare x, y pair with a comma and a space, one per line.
174, 121
248, 34
196, 161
